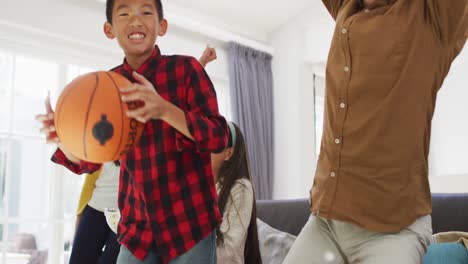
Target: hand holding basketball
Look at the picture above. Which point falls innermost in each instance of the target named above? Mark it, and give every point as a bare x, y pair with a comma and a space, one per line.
48, 128
47, 120
153, 104
90, 118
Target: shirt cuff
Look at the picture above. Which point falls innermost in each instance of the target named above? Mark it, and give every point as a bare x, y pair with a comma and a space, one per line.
183, 143
84, 167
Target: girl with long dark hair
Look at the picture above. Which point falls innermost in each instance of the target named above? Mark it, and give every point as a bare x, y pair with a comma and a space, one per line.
237, 237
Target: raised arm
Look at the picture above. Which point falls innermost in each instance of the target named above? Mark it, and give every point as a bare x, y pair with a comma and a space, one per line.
449, 19
333, 6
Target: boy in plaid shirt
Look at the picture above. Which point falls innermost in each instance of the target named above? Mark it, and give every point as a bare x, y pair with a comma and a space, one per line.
167, 196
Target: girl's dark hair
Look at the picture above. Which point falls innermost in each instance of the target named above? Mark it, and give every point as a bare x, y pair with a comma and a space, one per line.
237, 167
110, 7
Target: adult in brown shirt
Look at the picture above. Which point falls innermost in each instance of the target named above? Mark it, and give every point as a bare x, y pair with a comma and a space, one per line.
371, 196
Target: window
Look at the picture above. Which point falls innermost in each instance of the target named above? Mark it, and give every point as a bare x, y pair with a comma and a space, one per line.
25, 177
6, 80
32, 79
38, 200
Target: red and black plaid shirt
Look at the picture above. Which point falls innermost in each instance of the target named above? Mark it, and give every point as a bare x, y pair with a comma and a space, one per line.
167, 194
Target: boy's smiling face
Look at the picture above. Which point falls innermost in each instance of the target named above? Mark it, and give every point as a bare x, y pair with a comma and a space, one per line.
136, 25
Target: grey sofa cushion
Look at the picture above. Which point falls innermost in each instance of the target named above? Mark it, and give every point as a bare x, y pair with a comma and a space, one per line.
274, 244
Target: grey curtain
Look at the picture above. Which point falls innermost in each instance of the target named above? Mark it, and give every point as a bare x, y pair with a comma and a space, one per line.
251, 86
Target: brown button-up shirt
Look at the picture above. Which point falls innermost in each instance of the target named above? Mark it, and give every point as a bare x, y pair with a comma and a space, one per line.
384, 69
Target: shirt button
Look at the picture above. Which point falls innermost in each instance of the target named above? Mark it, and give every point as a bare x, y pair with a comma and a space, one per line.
342, 105
333, 174
346, 69
344, 31
337, 141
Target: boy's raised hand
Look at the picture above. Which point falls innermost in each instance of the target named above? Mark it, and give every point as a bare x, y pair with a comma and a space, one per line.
209, 55
47, 120
143, 91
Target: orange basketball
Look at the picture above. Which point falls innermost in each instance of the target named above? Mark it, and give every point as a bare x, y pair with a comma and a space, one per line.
90, 118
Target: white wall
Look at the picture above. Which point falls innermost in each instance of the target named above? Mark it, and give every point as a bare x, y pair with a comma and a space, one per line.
301, 47
449, 144
448, 157
287, 42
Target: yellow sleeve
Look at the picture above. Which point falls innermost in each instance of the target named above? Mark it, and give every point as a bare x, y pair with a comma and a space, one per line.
87, 190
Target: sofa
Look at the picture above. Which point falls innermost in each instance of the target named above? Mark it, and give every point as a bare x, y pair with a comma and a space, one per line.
449, 213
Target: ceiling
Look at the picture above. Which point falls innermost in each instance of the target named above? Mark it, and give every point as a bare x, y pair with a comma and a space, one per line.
261, 16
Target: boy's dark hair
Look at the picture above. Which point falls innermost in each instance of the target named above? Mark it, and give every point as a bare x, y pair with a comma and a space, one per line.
237, 167
110, 7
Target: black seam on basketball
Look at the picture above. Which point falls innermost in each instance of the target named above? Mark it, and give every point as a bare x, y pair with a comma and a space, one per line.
121, 116
90, 103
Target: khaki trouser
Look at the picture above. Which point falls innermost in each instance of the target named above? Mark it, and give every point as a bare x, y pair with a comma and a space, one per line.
324, 241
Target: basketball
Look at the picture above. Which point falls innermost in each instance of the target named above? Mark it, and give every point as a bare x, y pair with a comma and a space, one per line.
91, 120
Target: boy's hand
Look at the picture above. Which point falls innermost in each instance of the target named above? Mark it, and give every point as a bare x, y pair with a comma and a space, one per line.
208, 56
48, 128
143, 91
47, 120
